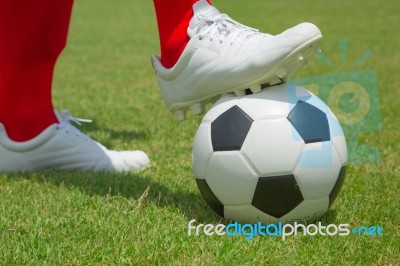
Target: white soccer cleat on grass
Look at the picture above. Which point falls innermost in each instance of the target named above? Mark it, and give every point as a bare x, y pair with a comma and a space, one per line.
63, 147
224, 56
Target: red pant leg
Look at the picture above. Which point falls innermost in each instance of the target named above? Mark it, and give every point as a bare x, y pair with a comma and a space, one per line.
173, 17
32, 35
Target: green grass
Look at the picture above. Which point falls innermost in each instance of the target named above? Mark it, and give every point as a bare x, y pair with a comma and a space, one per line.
105, 73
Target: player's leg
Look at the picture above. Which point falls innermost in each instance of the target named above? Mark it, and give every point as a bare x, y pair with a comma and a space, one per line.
173, 17
32, 135
32, 33
207, 54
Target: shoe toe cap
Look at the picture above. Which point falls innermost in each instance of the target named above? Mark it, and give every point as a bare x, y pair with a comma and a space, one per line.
134, 160
306, 30
295, 37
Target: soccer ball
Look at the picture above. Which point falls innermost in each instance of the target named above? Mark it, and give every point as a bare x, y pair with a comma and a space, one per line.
279, 155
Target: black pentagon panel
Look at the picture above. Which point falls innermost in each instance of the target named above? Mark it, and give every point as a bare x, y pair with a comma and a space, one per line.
338, 185
230, 129
310, 122
209, 197
277, 195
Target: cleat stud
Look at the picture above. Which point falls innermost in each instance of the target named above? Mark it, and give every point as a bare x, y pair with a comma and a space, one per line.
197, 108
255, 89
180, 115
240, 93
213, 99
282, 73
276, 80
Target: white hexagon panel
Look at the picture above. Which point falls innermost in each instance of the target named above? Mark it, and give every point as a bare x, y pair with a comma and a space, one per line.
272, 147
231, 187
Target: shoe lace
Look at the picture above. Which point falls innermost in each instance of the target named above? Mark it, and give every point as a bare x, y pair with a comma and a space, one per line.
65, 123
222, 25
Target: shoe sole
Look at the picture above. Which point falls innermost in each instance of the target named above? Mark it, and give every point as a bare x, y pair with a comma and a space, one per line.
276, 75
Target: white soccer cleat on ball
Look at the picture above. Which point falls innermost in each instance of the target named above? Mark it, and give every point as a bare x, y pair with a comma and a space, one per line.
225, 56
63, 147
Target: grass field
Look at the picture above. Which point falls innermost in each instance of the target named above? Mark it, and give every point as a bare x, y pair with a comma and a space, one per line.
105, 74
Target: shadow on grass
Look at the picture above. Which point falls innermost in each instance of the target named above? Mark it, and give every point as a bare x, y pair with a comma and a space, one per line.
328, 218
139, 189
125, 135
135, 188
